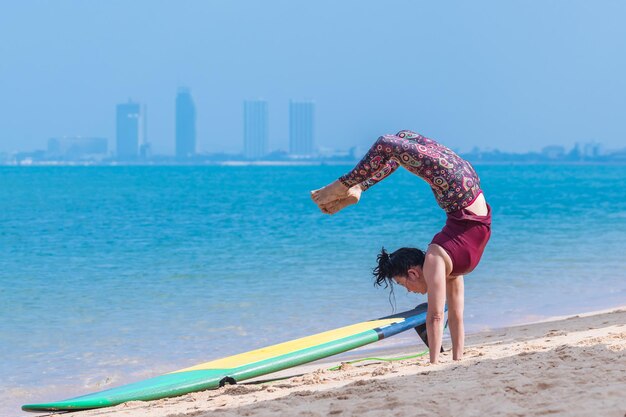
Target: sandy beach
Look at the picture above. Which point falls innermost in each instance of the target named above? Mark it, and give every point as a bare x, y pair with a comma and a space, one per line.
573, 366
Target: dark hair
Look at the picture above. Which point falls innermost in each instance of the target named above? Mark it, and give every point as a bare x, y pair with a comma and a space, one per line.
396, 264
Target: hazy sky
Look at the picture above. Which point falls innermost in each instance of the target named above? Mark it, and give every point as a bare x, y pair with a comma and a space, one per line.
515, 75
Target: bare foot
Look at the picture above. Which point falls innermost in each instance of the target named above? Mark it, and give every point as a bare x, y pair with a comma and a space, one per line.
354, 195
333, 191
337, 205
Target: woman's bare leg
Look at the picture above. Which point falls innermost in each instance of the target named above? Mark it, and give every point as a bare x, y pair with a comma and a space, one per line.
456, 301
377, 164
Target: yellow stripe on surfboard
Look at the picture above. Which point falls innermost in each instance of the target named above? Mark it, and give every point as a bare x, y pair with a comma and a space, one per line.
291, 346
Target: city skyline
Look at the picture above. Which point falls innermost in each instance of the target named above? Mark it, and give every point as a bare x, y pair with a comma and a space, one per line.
132, 137
543, 72
141, 142
132, 143
93, 151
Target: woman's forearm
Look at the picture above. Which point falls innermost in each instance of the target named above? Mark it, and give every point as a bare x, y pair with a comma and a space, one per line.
434, 327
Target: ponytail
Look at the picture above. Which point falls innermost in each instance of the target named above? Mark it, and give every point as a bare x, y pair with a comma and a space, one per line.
396, 264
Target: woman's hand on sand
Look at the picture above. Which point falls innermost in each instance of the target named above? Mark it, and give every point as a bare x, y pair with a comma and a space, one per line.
352, 196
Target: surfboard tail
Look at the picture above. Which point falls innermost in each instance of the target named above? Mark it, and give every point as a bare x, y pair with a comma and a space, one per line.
245, 365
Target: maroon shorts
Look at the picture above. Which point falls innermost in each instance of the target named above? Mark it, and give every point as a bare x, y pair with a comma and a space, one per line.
464, 237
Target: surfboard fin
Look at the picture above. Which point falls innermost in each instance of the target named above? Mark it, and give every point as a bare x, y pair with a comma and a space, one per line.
227, 380
421, 329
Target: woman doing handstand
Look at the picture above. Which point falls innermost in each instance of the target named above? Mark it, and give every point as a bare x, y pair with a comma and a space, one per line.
453, 252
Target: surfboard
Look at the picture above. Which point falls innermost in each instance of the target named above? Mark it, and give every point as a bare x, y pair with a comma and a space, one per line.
240, 367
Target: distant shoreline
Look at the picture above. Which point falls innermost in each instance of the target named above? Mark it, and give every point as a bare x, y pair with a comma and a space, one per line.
287, 163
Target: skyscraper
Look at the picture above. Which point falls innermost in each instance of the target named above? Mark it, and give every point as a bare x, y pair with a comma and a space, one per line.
301, 123
185, 124
255, 128
128, 130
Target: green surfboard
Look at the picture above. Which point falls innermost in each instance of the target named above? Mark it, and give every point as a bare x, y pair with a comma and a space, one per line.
246, 365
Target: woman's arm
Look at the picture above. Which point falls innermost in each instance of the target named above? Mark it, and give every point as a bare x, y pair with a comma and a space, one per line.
456, 300
435, 277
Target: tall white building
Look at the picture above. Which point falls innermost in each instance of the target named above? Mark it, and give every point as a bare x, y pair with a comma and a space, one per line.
129, 130
185, 124
255, 128
301, 128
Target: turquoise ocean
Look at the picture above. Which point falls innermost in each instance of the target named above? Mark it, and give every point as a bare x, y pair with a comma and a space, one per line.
113, 274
